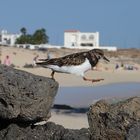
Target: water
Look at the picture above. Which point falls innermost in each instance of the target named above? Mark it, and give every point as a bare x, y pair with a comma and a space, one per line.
84, 96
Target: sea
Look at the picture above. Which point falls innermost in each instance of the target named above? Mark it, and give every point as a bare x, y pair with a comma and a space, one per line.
85, 96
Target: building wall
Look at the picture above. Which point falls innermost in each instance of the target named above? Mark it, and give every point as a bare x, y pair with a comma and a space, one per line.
84, 40
8, 39
77, 38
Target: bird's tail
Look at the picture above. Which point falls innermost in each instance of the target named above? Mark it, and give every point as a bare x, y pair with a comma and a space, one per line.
42, 61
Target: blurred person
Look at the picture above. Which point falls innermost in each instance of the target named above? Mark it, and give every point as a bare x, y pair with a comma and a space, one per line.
49, 56
117, 66
35, 60
7, 61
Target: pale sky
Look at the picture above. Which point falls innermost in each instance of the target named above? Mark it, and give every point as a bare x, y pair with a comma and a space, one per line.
117, 21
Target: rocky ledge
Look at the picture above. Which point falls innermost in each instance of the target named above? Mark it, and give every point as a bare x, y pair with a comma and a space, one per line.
115, 121
26, 99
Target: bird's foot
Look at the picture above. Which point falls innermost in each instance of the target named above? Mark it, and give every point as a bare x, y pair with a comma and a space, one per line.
52, 75
93, 80
97, 80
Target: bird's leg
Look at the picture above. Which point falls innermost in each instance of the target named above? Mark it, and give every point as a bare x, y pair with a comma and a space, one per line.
97, 67
52, 74
92, 80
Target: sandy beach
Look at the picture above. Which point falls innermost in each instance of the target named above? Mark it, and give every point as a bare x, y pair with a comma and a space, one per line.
73, 120
20, 57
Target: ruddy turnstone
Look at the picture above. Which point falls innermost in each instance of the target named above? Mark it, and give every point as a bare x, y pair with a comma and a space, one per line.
76, 63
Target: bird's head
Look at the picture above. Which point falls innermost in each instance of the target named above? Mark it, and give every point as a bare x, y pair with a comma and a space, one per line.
99, 54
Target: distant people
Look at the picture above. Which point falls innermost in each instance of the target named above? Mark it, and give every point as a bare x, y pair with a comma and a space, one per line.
7, 61
122, 65
117, 66
130, 67
35, 60
49, 55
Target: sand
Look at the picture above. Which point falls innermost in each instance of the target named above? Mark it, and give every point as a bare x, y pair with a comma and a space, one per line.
71, 121
20, 57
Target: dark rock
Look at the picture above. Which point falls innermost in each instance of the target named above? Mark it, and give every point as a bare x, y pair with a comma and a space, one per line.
114, 121
25, 97
49, 131
82, 134
134, 132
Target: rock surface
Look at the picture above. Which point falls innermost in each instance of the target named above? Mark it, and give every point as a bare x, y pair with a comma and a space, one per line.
49, 131
134, 132
24, 96
115, 121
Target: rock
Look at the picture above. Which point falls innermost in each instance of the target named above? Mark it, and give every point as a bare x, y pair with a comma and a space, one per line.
82, 134
114, 121
134, 132
25, 97
49, 131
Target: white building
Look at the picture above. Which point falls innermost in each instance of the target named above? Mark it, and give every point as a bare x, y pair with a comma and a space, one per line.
7, 38
76, 38
84, 40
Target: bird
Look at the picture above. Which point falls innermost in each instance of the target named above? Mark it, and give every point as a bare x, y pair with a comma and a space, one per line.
76, 63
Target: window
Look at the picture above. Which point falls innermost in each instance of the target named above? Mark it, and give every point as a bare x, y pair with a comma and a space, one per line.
87, 44
91, 37
83, 37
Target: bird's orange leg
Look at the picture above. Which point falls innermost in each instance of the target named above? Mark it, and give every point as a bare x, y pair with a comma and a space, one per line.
52, 74
92, 80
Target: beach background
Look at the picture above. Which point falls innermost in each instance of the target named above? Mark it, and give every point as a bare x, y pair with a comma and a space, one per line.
73, 90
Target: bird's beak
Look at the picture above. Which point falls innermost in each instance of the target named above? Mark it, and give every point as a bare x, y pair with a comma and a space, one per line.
106, 59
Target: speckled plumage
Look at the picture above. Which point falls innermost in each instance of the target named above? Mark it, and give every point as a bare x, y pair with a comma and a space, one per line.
76, 63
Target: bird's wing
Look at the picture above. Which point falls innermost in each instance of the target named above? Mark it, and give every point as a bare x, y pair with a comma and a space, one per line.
72, 59
54, 61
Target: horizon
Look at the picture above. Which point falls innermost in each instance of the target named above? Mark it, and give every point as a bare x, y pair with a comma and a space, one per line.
116, 21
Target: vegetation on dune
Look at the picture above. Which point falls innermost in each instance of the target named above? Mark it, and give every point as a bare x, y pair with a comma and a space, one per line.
38, 37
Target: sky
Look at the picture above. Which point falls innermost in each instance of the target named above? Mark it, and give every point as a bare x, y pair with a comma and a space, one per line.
117, 21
